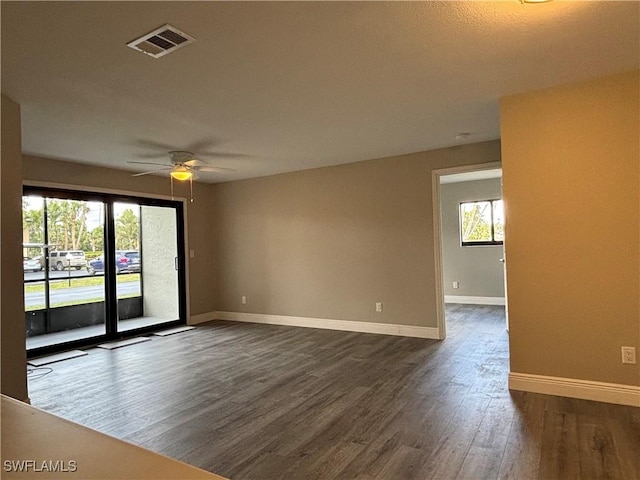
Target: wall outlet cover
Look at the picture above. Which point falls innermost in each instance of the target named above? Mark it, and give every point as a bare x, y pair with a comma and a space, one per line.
629, 355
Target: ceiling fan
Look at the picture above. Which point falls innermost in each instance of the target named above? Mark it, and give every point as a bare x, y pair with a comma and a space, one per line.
183, 166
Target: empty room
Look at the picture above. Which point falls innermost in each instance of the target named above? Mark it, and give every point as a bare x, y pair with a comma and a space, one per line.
330, 240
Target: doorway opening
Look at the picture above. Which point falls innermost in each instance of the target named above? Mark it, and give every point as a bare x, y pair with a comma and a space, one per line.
99, 267
469, 237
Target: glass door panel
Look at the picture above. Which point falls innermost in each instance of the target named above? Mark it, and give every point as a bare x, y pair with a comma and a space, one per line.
153, 265
33, 241
127, 265
63, 302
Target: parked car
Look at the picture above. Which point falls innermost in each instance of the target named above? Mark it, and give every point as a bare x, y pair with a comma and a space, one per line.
40, 260
61, 259
31, 264
127, 261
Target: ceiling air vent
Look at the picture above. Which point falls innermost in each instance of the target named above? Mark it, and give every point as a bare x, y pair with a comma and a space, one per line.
161, 41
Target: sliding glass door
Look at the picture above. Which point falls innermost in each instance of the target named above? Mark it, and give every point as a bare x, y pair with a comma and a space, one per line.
99, 267
154, 264
60, 297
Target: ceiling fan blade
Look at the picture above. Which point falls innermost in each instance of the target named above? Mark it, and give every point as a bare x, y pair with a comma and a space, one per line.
164, 169
195, 163
214, 169
150, 163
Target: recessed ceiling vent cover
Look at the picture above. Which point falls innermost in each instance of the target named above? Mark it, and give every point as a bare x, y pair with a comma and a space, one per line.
161, 41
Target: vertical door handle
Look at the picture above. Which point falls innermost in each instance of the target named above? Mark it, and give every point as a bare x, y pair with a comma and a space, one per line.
175, 261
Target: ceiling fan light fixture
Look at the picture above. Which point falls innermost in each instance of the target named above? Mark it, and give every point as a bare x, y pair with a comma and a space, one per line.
181, 173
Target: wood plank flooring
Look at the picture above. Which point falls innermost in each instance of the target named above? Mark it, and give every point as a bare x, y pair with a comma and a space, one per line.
251, 401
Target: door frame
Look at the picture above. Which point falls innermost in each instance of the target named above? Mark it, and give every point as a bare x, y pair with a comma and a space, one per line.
182, 245
437, 234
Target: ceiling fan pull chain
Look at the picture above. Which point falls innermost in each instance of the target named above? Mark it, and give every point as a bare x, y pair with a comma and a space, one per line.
191, 187
171, 178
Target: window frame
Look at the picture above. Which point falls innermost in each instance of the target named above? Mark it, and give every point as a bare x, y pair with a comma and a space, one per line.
480, 243
112, 332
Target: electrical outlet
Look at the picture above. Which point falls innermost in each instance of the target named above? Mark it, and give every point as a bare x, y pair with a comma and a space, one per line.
378, 306
244, 300
629, 355
192, 253
456, 284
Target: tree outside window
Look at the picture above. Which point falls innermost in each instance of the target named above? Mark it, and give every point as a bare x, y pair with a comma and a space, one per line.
482, 223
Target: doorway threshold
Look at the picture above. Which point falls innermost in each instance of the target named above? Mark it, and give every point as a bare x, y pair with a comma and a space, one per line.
82, 333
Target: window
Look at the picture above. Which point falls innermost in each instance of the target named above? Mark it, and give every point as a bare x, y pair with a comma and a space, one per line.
482, 223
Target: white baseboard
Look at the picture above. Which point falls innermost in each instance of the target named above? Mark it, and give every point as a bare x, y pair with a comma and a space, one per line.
574, 388
201, 318
329, 324
474, 300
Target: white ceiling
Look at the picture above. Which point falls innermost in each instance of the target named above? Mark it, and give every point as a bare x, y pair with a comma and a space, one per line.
293, 85
471, 176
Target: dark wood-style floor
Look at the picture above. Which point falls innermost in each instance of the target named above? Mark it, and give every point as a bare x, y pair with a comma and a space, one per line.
252, 401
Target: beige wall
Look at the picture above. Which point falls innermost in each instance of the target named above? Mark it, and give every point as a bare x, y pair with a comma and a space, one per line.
202, 295
14, 359
570, 160
477, 269
330, 242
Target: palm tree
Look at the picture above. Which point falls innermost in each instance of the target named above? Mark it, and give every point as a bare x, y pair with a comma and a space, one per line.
66, 222
96, 238
32, 222
127, 231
